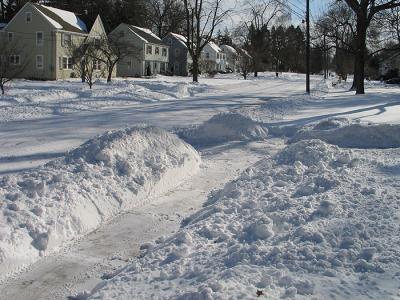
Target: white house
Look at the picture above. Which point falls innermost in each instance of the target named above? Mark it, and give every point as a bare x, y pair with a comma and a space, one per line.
213, 58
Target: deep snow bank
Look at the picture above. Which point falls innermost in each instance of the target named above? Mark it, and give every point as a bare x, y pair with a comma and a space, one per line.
225, 127
345, 133
44, 207
316, 221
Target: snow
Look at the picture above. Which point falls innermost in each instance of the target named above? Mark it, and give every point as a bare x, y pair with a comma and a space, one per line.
304, 223
214, 46
344, 133
68, 17
52, 22
229, 48
148, 31
67, 198
180, 38
309, 210
225, 127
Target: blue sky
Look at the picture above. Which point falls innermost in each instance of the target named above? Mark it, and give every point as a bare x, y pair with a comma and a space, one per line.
317, 7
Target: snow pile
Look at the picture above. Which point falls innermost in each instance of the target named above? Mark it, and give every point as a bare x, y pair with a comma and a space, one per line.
66, 198
278, 108
344, 133
225, 127
311, 222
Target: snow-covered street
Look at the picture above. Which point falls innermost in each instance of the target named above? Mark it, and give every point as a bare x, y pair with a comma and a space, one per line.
287, 194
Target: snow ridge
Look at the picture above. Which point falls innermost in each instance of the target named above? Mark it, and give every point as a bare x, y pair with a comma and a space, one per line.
46, 207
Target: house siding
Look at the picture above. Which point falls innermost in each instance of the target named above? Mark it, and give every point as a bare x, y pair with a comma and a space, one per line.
24, 36
178, 64
136, 64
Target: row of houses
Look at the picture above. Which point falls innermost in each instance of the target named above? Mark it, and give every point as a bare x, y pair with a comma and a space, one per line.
44, 35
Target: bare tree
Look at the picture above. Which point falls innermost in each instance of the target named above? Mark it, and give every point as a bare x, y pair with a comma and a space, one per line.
202, 17
365, 10
111, 50
167, 16
85, 60
11, 64
245, 63
261, 16
336, 30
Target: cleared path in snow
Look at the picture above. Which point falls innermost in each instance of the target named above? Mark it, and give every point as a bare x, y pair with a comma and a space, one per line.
103, 251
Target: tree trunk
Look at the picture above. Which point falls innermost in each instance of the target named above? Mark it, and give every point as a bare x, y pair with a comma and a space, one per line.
195, 71
359, 59
2, 89
109, 76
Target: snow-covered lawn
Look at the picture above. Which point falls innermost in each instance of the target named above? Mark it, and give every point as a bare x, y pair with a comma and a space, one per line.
318, 217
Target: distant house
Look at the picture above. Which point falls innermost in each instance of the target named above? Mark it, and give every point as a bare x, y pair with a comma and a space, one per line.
2, 25
42, 36
179, 57
232, 58
149, 55
212, 58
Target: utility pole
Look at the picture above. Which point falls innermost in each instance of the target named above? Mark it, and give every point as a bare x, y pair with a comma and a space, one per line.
325, 58
308, 47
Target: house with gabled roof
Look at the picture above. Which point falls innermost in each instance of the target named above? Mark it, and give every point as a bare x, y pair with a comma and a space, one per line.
180, 60
42, 36
212, 58
148, 54
231, 58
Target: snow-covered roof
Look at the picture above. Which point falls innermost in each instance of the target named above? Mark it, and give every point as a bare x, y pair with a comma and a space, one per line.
179, 37
244, 52
229, 48
146, 34
214, 46
2, 25
62, 19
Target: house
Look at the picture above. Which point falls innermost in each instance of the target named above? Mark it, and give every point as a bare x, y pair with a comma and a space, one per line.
231, 58
149, 54
212, 58
42, 38
179, 58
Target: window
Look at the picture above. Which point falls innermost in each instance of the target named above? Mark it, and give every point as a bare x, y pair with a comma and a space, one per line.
67, 63
39, 38
28, 17
217, 55
164, 52
169, 42
39, 61
96, 64
97, 42
10, 36
157, 51
14, 59
207, 55
65, 40
149, 49
177, 52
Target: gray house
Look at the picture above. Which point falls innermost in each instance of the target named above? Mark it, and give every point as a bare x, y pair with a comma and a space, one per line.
179, 57
148, 54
